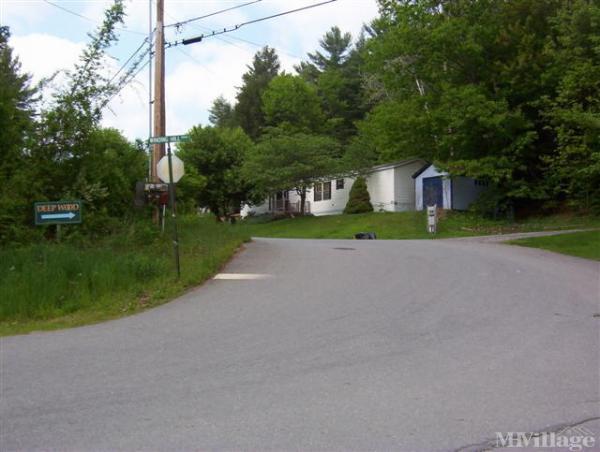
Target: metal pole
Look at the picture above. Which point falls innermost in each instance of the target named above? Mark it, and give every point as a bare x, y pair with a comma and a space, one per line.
173, 211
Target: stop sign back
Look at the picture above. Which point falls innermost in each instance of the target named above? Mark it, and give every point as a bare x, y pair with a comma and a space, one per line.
162, 169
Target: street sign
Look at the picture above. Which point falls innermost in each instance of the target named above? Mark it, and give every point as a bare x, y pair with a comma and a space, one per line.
162, 169
169, 139
57, 212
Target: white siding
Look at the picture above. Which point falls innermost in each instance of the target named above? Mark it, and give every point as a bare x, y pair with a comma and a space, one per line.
332, 206
380, 185
404, 186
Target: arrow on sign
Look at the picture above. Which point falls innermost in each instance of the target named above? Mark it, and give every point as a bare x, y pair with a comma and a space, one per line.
57, 216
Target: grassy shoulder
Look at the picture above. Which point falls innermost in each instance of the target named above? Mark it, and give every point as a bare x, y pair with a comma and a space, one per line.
405, 225
581, 244
51, 286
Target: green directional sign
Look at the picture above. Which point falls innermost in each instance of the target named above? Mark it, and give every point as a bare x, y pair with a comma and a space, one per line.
57, 212
169, 139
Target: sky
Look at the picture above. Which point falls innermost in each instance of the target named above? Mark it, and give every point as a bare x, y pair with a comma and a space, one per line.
47, 39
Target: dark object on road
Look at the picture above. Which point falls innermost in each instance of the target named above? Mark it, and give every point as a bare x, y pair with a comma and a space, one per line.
365, 236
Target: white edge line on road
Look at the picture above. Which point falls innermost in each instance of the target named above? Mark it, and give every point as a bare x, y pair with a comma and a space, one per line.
241, 276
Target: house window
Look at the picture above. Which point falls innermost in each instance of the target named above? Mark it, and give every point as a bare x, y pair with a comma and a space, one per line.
318, 191
339, 184
322, 191
327, 190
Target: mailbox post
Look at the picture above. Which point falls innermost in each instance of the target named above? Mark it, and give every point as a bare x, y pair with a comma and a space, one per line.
432, 219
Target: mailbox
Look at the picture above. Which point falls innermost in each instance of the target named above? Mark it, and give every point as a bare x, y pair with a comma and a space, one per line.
432, 219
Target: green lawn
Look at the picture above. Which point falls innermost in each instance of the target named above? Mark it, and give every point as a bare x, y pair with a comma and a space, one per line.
581, 244
403, 225
48, 286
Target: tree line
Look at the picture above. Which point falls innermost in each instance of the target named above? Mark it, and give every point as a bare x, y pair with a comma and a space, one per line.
506, 92
54, 147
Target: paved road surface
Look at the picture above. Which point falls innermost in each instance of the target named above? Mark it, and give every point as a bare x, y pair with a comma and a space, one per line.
349, 345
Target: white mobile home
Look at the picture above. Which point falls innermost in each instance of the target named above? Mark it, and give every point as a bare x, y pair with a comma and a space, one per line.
434, 187
391, 188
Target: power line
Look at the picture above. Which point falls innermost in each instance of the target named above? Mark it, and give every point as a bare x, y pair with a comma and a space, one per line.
91, 20
238, 26
226, 41
184, 22
144, 42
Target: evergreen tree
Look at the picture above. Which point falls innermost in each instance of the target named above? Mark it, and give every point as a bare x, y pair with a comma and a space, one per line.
17, 105
248, 110
221, 113
359, 200
336, 72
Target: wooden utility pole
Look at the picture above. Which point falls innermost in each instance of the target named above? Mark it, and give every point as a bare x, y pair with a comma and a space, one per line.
158, 150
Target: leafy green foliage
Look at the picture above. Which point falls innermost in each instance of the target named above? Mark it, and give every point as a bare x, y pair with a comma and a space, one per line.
214, 158
284, 161
501, 91
359, 200
293, 104
221, 113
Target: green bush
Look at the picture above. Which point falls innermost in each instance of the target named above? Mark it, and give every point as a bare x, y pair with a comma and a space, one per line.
359, 201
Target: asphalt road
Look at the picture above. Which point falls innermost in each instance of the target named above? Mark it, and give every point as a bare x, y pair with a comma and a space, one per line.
347, 345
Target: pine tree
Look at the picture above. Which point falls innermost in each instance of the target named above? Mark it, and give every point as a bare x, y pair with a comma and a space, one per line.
248, 110
359, 200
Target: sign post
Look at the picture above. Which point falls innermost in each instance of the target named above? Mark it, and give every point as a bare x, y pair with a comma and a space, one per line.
173, 210
432, 219
170, 169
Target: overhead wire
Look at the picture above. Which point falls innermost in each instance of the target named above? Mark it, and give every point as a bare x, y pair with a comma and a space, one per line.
81, 16
238, 26
193, 19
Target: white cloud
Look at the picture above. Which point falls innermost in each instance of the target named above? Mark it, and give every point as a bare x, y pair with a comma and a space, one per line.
42, 55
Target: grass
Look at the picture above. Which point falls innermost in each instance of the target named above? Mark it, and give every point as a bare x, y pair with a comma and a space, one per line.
581, 244
405, 225
49, 286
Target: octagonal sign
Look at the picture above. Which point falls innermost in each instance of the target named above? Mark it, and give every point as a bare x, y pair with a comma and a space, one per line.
162, 169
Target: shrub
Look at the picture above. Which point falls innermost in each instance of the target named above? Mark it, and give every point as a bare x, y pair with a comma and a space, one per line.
359, 201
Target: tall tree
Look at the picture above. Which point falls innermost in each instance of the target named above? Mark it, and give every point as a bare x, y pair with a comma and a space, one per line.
248, 110
221, 113
293, 104
17, 104
217, 155
284, 161
336, 72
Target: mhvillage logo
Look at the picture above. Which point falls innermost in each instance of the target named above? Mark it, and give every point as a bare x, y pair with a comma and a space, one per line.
571, 438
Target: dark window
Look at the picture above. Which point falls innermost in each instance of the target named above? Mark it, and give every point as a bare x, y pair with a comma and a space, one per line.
327, 190
339, 184
318, 191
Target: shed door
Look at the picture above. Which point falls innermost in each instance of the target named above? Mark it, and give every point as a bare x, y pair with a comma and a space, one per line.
432, 191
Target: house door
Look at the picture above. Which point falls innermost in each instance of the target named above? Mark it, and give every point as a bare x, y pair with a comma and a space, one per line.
432, 192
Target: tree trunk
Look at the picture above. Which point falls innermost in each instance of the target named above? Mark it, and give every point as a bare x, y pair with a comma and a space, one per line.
302, 200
